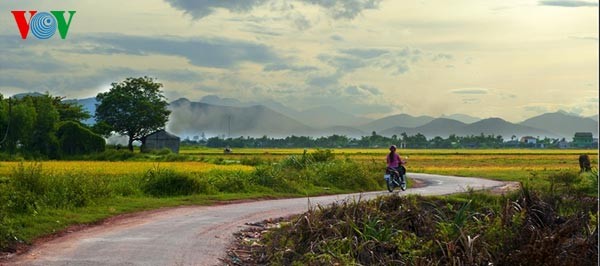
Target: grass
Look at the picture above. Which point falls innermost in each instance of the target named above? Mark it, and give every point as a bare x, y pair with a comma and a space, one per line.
35, 201
523, 228
40, 198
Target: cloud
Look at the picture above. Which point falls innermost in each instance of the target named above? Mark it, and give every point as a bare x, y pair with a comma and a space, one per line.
283, 66
471, 101
365, 53
470, 91
566, 3
202, 8
362, 90
338, 9
336, 37
343, 63
442, 56
324, 81
346, 9
214, 53
34, 61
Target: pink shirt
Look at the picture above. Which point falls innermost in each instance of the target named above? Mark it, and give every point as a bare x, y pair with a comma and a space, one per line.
395, 162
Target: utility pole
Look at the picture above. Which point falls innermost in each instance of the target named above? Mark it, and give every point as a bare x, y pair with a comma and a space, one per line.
7, 121
229, 126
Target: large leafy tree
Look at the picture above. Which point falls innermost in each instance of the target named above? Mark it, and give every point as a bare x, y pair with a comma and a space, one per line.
134, 107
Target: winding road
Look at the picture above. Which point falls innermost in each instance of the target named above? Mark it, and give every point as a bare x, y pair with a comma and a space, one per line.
197, 235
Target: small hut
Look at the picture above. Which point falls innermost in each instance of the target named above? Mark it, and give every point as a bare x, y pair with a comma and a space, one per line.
161, 139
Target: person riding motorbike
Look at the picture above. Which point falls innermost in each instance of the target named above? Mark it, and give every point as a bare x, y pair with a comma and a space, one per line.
395, 162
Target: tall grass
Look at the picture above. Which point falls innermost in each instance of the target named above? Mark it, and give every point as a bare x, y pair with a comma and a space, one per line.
469, 229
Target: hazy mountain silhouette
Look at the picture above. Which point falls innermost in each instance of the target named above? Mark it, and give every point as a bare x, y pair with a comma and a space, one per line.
320, 117
192, 118
275, 119
327, 116
444, 127
401, 120
21, 95
467, 119
342, 131
499, 126
563, 124
89, 105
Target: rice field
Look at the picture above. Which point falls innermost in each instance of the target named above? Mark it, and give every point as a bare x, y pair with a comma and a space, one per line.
98, 168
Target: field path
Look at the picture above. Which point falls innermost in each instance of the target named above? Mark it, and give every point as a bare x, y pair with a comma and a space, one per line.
197, 235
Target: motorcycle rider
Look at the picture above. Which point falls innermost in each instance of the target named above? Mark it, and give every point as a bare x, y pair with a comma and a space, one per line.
394, 162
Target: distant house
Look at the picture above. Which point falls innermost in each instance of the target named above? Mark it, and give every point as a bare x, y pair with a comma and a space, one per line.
583, 140
161, 139
562, 144
529, 140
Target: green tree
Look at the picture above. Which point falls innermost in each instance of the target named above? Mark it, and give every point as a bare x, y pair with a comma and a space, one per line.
70, 110
21, 125
44, 141
135, 108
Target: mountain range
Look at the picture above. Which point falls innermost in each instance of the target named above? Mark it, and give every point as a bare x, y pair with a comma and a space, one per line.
213, 116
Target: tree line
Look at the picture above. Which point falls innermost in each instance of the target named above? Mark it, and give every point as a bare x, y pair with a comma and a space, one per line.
45, 126
417, 141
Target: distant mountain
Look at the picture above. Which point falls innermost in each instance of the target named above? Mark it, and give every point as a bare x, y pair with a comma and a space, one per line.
498, 126
21, 95
192, 118
327, 116
218, 116
563, 124
216, 100
319, 117
401, 120
89, 105
343, 131
467, 119
444, 127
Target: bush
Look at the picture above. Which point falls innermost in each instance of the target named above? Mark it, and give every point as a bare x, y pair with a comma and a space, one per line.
273, 178
112, 155
74, 139
252, 161
166, 182
230, 182
322, 155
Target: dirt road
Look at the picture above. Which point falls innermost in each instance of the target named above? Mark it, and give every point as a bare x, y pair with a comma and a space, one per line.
196, 235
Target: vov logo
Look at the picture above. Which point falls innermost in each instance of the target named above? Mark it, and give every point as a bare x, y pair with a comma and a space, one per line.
43, 25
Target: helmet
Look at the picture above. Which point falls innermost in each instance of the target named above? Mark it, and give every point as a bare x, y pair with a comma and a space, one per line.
393, 148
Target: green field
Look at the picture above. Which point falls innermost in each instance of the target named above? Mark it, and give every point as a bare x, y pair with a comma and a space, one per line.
38, 198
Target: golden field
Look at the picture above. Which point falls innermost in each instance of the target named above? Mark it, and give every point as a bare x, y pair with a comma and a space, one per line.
101, 168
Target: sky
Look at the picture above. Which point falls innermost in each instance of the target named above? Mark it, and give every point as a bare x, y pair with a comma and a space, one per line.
512, 58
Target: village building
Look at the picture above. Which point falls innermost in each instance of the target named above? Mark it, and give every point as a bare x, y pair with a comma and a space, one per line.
529, 140
583, 140
161, 139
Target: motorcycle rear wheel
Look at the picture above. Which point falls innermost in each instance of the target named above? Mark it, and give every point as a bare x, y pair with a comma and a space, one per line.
390, 185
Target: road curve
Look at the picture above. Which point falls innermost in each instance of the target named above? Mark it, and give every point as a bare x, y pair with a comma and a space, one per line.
197, 235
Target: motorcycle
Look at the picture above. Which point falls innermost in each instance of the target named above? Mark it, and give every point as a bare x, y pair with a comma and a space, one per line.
394, 178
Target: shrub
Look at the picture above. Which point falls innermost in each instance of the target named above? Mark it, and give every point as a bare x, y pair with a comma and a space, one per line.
252, 161
74, 139
322, 155
166, 182
230, 182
